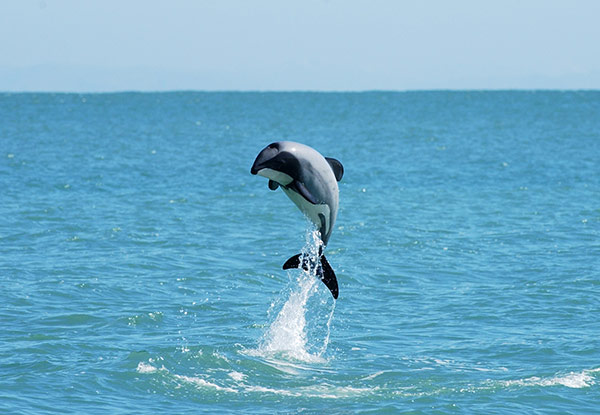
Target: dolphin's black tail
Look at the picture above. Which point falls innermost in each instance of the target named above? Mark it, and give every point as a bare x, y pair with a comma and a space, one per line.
324, 271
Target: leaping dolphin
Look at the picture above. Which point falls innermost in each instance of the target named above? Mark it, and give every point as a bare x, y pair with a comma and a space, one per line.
310, 181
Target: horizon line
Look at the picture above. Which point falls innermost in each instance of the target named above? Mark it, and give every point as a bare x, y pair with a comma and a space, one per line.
290, 91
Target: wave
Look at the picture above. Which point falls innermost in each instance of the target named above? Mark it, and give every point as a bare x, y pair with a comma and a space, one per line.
236, 381
239, 384
576, 380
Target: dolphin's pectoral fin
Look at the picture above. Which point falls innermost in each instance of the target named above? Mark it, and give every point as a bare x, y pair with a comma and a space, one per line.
273, 185
303, 191
324, 271
336, 166
328, 277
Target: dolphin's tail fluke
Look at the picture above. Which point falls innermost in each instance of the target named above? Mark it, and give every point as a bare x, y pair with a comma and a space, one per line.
324, 270
327, 275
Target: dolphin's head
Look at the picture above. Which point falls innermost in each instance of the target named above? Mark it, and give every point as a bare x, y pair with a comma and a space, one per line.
278, 163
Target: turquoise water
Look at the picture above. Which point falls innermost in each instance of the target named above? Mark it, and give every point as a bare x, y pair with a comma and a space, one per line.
140, 262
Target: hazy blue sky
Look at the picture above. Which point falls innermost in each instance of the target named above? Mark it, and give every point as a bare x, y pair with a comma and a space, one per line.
76, 45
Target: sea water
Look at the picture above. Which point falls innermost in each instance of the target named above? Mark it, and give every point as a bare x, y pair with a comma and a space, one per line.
140, 261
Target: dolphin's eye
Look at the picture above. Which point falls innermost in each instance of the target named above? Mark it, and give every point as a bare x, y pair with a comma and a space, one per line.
274, 145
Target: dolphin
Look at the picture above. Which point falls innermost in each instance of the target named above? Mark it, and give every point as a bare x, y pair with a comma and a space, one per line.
310, 181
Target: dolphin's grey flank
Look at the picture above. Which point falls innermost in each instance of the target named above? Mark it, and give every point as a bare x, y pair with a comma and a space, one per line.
310, 181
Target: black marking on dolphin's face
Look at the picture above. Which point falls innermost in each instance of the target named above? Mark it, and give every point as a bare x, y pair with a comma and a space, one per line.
272, 158
263, 157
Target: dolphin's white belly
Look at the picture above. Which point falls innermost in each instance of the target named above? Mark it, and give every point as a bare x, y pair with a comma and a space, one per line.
313, 212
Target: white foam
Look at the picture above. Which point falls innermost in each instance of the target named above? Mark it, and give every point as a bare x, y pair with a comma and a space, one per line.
325, 391
320, 391
237, 376
316, 391
374, 375
204, 383
262, 389
576, 380
145, 368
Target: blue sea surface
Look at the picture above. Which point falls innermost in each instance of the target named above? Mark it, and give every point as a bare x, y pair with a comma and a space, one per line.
140, 261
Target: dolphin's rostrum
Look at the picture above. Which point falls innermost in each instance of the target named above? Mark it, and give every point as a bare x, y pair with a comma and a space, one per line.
310, 181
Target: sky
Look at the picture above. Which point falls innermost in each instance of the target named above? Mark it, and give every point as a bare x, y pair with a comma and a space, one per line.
324, 45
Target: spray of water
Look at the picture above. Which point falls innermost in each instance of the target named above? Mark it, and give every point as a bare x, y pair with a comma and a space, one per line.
302, 327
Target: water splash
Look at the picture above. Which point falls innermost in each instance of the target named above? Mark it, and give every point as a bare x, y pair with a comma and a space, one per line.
302, 328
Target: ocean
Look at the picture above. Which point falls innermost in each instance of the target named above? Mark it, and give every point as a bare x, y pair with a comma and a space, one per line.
141, 262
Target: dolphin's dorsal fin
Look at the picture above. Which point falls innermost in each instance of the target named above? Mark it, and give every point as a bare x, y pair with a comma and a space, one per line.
273, 185
299, 187
336, 166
